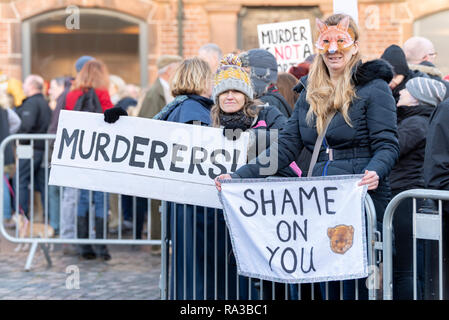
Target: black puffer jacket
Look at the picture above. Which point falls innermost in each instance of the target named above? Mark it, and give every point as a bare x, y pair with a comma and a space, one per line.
371, 142
436, 161
413, 123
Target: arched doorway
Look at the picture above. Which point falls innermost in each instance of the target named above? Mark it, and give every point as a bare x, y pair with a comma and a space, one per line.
50, 48
435, 28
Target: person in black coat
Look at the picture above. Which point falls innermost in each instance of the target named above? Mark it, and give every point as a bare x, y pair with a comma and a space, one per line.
436, 177
417, 101
35, 115
362, 135
263, 71
402, 73
436, 160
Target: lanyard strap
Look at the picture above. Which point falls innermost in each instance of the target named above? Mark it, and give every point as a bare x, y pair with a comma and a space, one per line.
319, 141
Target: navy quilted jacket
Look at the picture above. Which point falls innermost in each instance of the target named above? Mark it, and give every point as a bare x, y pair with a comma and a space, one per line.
370, 144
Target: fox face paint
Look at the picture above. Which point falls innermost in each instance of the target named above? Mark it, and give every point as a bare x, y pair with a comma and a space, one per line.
334, 38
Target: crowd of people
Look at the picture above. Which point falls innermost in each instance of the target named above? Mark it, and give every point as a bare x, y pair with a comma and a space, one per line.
384, 119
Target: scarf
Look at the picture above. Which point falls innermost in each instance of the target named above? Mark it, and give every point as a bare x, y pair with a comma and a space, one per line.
236, 120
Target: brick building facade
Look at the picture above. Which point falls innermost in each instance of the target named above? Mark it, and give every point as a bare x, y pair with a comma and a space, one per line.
228, 23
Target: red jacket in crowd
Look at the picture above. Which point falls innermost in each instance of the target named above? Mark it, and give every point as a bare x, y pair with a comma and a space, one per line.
103, 96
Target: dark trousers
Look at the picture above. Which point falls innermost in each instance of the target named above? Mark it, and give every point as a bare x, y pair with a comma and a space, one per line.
203, 265
25, 179
431, 261
141, 210
403, 252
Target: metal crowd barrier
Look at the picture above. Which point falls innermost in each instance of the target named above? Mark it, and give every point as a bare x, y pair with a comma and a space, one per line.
426, 226
25, 152
222, 286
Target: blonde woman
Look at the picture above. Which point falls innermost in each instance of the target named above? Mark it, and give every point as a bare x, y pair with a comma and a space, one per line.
362, 135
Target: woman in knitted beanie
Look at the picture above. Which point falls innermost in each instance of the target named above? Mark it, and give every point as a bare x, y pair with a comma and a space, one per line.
235, 110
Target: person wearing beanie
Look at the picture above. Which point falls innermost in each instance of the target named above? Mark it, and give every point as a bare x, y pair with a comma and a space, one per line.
235, 108
79, 64
426, 91
416, 103
263, 71
402, 73
235, 111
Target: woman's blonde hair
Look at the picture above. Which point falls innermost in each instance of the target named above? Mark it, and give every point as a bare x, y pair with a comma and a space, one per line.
324, 97
249, 109
192, 76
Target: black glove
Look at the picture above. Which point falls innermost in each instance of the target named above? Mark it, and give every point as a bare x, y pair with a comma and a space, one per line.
112, 115
232, 131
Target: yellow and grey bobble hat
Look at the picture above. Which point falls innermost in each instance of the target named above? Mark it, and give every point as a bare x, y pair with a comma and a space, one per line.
231, 76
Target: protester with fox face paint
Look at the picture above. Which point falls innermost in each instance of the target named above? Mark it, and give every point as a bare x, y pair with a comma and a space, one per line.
353, 102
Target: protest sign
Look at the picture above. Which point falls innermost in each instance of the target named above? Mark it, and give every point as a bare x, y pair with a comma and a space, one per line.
143, 157
290, 42
297, 230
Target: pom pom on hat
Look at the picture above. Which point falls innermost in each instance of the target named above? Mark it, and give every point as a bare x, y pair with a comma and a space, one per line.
231, 60
231, 76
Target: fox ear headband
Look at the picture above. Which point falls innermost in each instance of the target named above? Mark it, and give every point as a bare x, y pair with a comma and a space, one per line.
334, 38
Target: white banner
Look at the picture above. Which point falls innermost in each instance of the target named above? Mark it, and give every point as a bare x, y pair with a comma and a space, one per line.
143, 157
297, 230
290, 42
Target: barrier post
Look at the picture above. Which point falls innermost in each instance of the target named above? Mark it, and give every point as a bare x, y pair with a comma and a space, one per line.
164, 252
421, 219
25, 152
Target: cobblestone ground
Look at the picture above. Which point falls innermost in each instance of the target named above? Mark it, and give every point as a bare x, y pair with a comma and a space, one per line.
131, 274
